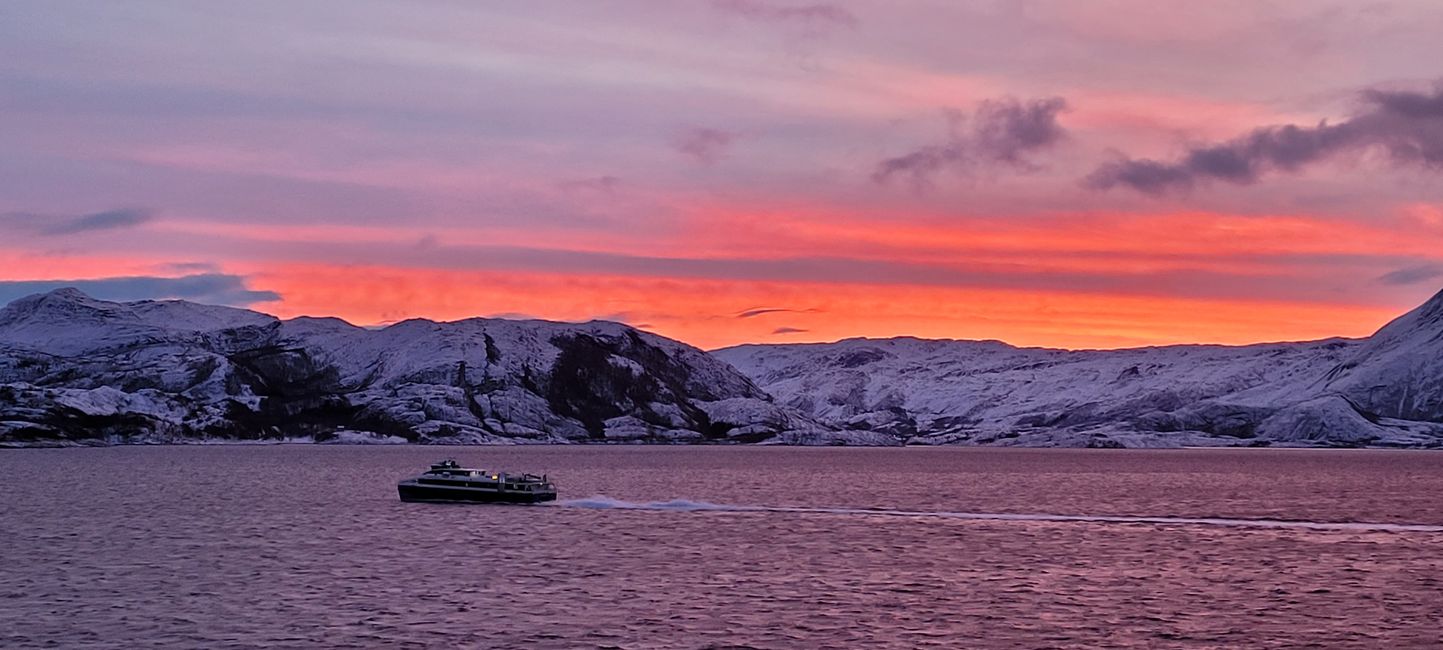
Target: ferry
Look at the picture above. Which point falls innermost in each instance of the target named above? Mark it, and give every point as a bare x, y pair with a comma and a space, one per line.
448, 481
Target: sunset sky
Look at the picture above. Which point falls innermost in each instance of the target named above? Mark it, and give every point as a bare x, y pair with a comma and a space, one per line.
1076, 174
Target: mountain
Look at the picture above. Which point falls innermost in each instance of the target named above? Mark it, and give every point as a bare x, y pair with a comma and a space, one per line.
78, 370
1386, 390
1398, 372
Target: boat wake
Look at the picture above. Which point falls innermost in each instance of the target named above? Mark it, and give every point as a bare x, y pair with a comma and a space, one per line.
600, 502
681, 505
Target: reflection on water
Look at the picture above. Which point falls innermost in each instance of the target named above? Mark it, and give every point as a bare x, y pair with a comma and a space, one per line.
298, 546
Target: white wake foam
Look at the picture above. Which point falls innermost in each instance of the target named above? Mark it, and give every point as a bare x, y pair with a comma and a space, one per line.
681, 505
600, 502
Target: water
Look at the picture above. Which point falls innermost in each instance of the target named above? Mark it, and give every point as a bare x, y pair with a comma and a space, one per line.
685, 547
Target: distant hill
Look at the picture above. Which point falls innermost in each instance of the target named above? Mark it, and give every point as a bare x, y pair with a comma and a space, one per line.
1386, 390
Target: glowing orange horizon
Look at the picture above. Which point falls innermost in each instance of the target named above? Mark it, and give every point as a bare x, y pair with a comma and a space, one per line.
710, 313
1014, 277
729, 172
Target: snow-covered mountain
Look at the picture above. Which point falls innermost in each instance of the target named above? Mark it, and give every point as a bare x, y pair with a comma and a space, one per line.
1386, 390
76, 369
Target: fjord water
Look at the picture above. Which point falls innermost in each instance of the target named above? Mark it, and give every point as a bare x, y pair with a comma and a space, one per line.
677, 547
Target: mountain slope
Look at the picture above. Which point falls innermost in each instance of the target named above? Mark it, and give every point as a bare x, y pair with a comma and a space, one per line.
77, 369
1398, 372
1386, 390
68, 322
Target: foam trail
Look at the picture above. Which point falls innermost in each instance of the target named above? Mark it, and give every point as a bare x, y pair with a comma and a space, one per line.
600, 502
681, 505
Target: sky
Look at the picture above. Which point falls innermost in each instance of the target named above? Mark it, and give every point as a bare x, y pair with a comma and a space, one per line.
1072, 174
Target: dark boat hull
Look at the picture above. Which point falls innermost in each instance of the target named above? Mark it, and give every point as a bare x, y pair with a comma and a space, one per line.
441, 494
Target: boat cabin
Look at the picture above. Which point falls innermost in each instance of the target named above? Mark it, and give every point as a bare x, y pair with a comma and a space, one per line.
449, 481
449, 473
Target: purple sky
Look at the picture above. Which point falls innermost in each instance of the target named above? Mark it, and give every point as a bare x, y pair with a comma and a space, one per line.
1063, 173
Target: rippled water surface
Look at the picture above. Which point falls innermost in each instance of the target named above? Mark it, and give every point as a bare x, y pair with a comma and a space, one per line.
685, 547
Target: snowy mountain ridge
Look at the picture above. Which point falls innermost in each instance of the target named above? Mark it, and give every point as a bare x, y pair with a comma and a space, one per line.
78, 370
1386, 390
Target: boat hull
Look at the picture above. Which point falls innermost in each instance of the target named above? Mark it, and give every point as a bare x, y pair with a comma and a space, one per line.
414, 493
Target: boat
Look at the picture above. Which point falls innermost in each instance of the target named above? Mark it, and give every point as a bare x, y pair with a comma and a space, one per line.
448, 481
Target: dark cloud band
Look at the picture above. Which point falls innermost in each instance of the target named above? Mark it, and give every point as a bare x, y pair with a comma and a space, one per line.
209, 288
1002, 132
1406, 125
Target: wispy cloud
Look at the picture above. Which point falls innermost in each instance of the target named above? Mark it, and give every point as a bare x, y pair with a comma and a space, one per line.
704, 145
51, 225
603, 184
626, 317
788, 330
1002, 132
760, 311
1406, 125
209, 288
1412, 274
815, 13
514, 315
192, 267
